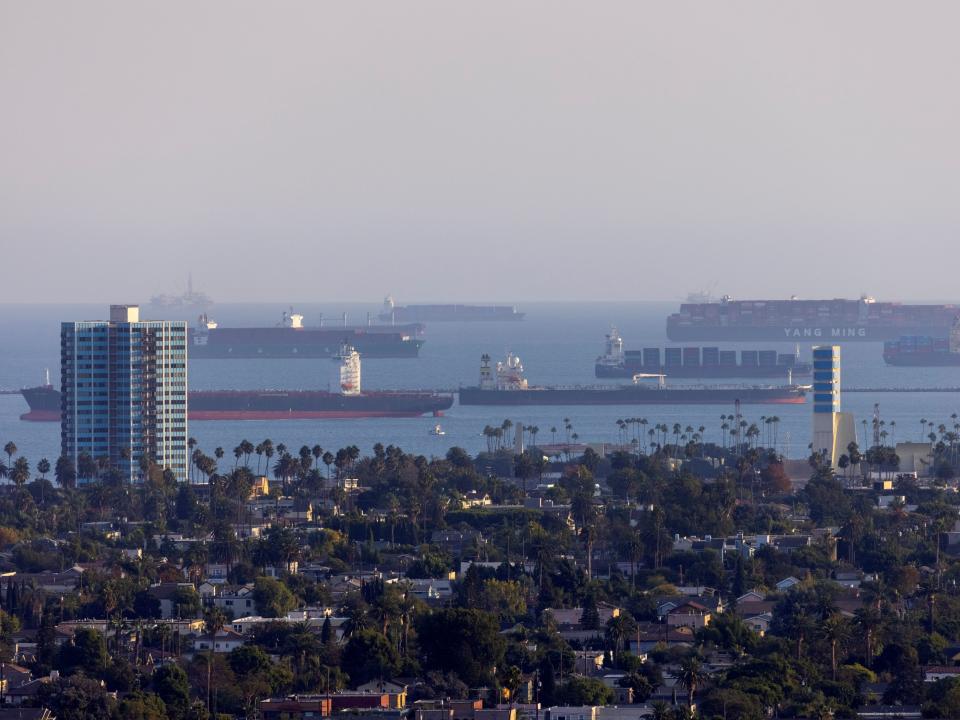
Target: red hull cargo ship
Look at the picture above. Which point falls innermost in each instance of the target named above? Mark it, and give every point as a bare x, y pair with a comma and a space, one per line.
350, 402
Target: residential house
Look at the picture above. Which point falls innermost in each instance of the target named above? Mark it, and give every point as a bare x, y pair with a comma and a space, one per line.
787, 583
430, 590
13, 676
168, 595
456, 541
235, 600
689, 614
223, 641
760, 624
215, 574
28, 692
932, 673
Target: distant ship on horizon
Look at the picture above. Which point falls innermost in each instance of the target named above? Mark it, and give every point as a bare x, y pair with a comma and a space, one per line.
393, 313
184, 306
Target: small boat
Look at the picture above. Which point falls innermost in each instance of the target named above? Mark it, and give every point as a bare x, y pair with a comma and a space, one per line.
437, 430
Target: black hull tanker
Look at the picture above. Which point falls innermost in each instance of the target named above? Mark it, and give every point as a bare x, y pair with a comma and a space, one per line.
838, 320
505, 385
393, 313
350, 402
633, 395
291, 339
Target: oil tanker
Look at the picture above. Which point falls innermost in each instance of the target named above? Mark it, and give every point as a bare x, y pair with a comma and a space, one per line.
506, 385
393, 313
696, 362
291, 339
349, 402
838, 320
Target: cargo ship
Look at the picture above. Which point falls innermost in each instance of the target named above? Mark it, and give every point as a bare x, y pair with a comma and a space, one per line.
696, 362
924, 351
505, 384
839, 320
393, 313
290, 338
349, 402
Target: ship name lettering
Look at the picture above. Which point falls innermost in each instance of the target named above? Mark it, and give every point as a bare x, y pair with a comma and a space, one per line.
848, 332
803, 332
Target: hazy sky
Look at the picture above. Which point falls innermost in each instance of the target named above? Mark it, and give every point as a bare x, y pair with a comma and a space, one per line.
301, 151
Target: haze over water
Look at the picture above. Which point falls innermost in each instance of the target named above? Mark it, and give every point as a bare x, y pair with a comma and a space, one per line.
558, 343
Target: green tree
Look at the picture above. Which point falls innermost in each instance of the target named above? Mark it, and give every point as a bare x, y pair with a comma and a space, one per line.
272, 597
465, 641
171, 684
586, 691
368, 655
77, 698
87, 652
143, 706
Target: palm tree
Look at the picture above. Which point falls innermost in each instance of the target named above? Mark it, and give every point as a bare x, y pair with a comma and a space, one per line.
247, 448
214, 621
259, 451
691, 677
20, 472
10, 449
618, 628
868, 620
835, 631
661, 711
553, 435
43, 467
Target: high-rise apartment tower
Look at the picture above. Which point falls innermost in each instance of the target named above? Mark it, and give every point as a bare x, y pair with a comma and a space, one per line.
124, 392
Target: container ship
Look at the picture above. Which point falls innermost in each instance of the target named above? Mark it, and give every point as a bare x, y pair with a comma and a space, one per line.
349, 402
924, 351
506, 385
393, 313
291, 339
863, 320
696, 362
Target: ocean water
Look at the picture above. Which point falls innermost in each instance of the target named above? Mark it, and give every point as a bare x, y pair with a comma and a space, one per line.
557, 342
